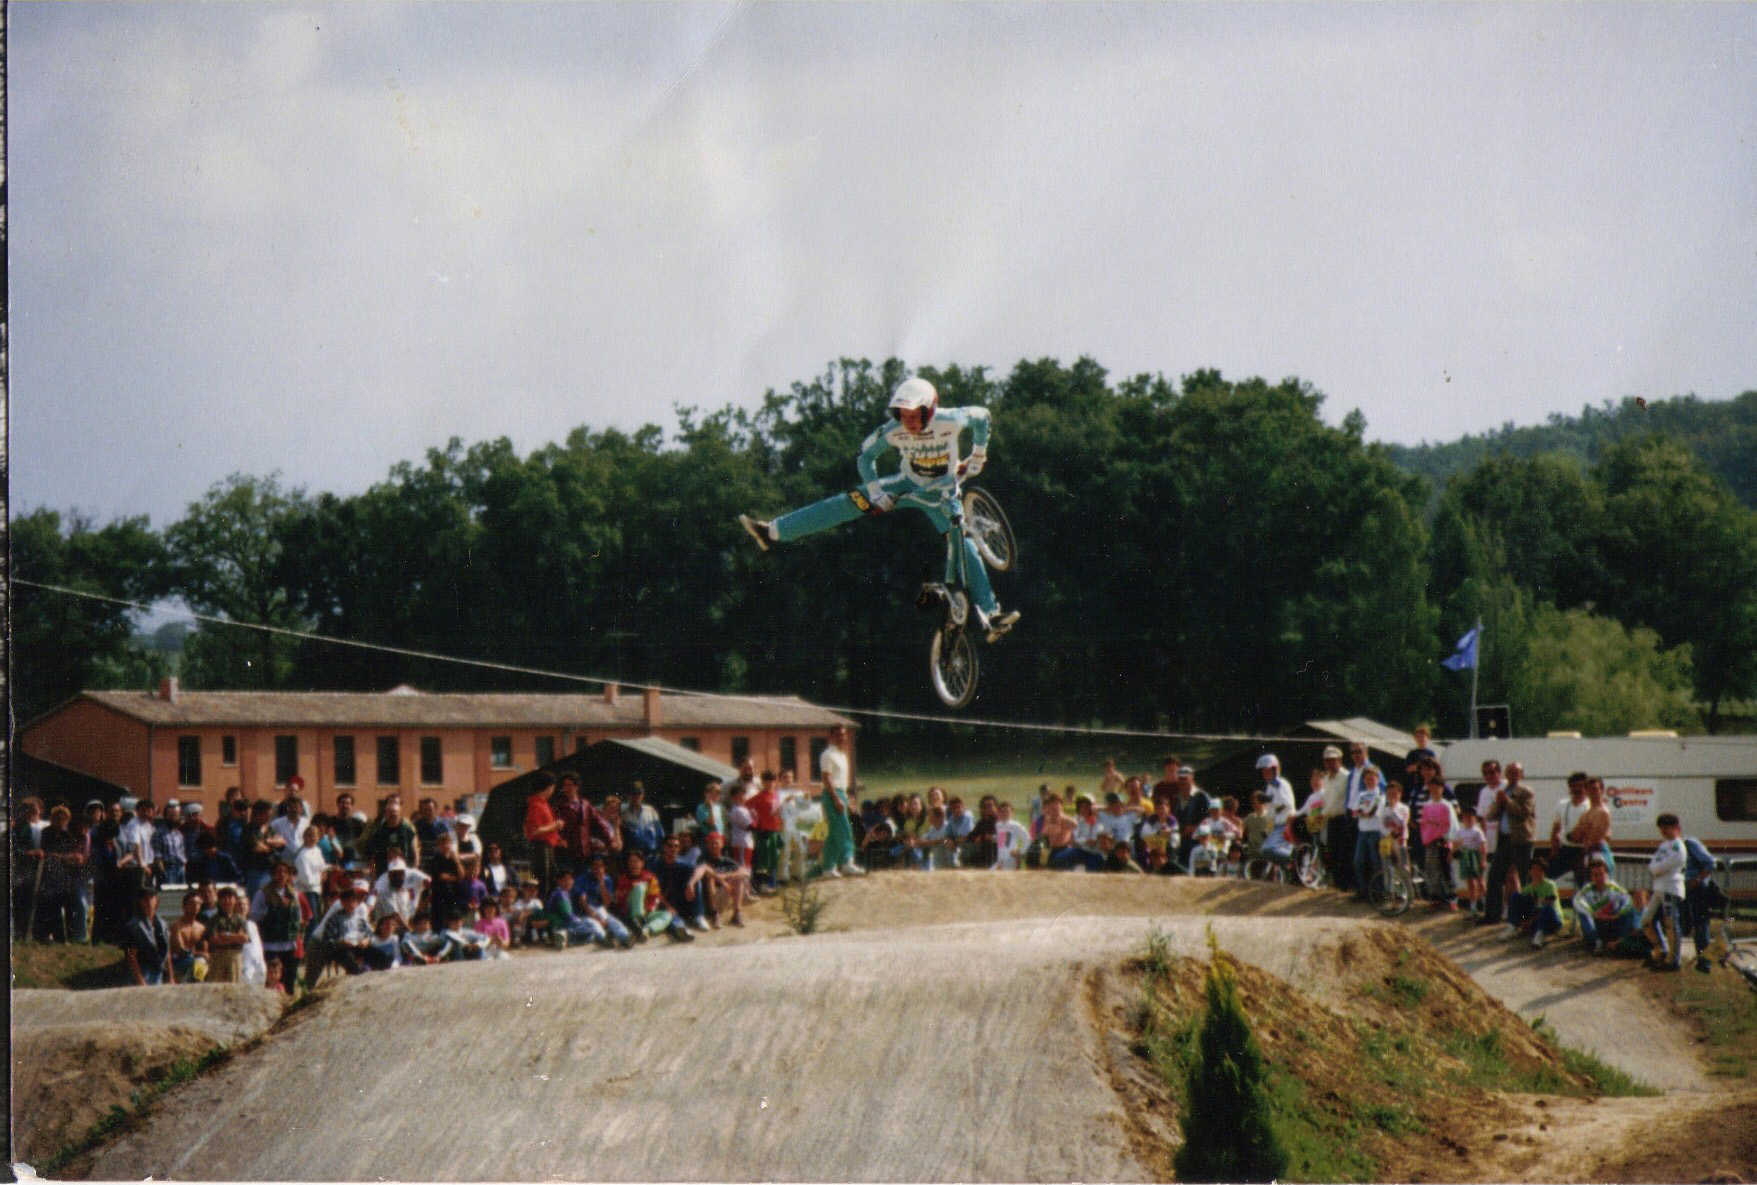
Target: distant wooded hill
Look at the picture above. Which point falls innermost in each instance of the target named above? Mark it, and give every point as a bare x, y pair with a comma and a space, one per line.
1724, 435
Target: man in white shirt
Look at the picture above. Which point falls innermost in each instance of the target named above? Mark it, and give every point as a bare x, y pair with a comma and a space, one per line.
398, 891
839, 844
1281, 804
1566, 855
290, 826
135, 841
1010, 839
1492, 785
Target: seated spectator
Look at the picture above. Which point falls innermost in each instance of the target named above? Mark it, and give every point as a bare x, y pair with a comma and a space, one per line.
1160, 837
527, 918
347, 936
710, 813
1114, 857
1535, 909
1055, 847
1011, 839
387, 944
447, 893
421, 946
493, 927
466, 943
146, 943
679, 883
1118, 822
641, 902
1603, 908
496, 873
1208, 853
725, 880
935, 847
1087, 828
1135, 799
567, 926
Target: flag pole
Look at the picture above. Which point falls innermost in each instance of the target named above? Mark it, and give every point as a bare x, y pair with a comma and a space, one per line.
1474, 668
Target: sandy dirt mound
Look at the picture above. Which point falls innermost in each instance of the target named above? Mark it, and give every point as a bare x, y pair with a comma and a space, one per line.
75, 1055
938, 1053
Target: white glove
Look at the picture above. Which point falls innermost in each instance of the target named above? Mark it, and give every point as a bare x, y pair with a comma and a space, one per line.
974, 465
880, 499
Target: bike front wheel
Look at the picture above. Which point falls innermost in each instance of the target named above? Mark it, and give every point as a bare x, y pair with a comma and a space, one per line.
1391, 893
986, 524
952, 664
1308, 866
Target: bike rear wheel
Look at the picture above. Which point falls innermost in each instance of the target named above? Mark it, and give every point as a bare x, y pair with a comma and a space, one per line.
1308, 866
1391, 892
953, 666
986, 524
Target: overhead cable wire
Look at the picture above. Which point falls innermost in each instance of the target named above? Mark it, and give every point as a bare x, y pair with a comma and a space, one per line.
568, 676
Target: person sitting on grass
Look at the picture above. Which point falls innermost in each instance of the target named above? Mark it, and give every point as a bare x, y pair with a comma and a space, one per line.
387, 943
1160, 837
494, 930
1603, 908
1114, 856
1011, 839
347, 935
1118, 821
724, 880
467, 944
642, 903
526, 918
566, 926
421, 946
1208, 855
1087, 828
680, 883
1535, 909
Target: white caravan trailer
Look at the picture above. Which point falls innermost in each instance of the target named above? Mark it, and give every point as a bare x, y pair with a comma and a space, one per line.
1709, 782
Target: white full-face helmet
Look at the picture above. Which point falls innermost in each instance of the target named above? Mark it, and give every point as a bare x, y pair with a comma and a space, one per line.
917, 394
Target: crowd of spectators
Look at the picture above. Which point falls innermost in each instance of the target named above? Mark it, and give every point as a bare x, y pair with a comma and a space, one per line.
274, 888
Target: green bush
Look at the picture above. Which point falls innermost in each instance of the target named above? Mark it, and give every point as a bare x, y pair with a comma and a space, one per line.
802, 904
1226, 1125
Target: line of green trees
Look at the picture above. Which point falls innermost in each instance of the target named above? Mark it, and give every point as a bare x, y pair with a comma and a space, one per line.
1195, 555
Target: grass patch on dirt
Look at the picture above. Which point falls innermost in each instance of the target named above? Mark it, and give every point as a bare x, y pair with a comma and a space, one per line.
1721, 1009
1369, 1089
119, 1117
70, 965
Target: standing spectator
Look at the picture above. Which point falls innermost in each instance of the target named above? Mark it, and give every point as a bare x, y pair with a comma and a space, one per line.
263, 850
350, 826
1412, 771
1512, 817
641, 828
1055, 840
289, 795
309, 869
1010, 839
212, 865
1364, 803
543, 833
193, 828
1345, 839
497, 874
934, 847
84, 882
1112, 781
134, 843
960, 824
1472, 848
982, 835
463, 831
741, 828
1330, 818
1492, 785
1594, 827
1702, 897
62, 852
1603, 907
168, 850
576, 817
1256, 825
290, 823
1167, 787
428, 826
838, 854
1135, 799
234, 830
280, 918
1660, 920
1437, 823
765, 810
1567, 857
227, 936
189, 941
449, 888
146, 944
710, 813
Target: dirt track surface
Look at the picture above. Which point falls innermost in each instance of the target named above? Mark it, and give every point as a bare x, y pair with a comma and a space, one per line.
77, 1054
944, 1028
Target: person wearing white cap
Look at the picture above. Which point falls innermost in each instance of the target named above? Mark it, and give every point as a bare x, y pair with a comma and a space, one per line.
464, 832
399, 890
1281, 804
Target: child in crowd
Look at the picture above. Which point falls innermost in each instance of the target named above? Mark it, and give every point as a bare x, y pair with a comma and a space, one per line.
1159, 836
273, 982
566, 926
1209, 851
934, 848
1537, 907
1437, 823
1115, 856
226, 939
1471, 847
1011, 838
1660, 920
1603, 907
741, 826
1256, 825
1234, 829
421, 946
387, 945
526, 918
493, 929
464, 942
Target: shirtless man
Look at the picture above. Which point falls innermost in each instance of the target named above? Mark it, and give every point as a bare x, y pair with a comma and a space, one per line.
189, 939
1594, 827
1057, 833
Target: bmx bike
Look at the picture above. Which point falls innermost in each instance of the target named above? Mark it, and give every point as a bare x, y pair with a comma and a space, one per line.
953, 665
1395, 885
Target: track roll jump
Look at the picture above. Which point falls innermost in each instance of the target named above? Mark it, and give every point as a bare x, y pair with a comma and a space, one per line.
978, 537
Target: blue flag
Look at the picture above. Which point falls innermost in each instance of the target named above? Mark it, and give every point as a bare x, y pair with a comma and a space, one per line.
1463, 658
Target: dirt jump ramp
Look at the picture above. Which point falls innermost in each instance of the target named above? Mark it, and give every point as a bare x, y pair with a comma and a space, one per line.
938, 1053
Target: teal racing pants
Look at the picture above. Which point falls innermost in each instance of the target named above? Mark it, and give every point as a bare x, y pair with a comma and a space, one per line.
938, 502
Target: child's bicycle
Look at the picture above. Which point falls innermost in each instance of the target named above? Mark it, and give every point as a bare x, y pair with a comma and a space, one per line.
1396, 885
1738, 954
952, 661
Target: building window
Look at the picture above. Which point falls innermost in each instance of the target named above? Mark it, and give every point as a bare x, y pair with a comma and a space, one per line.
189, 761
693, 744
818, 745
228, 750
390, 762
432, 767
1735, 800
344, 761
740, 749
545, 751
499, 752
790, 755
286, 759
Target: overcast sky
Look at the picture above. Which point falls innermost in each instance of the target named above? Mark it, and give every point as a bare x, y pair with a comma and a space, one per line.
322, 239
